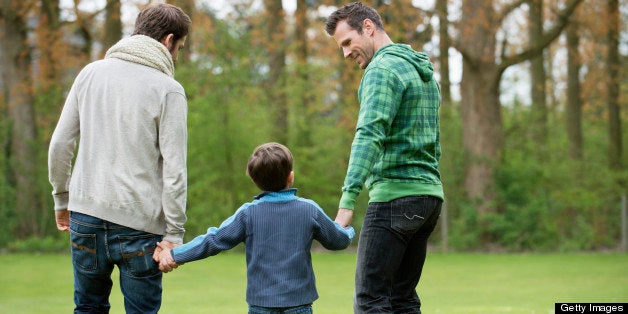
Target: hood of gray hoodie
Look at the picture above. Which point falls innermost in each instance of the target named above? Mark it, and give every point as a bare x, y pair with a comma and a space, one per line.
419, 60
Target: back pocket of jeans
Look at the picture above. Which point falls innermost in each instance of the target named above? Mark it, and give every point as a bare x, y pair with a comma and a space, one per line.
407, 220
83, 250
137, 253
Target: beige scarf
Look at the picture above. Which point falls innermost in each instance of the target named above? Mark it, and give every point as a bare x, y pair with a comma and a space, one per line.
143, 50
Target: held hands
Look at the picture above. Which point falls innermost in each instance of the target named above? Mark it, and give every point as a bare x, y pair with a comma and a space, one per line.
163, 256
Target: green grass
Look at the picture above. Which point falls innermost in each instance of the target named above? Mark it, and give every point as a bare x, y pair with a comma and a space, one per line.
451, 283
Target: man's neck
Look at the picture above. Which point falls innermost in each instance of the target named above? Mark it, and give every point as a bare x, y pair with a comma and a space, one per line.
381, 39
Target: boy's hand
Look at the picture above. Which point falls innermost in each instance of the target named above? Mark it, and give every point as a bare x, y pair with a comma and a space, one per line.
164, 257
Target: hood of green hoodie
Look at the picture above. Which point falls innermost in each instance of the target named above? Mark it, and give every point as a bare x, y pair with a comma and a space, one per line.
420, 60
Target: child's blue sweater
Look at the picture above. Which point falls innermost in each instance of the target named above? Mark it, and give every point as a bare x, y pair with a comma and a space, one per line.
277, 229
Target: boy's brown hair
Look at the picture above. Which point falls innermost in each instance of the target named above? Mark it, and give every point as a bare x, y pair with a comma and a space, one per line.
269, 166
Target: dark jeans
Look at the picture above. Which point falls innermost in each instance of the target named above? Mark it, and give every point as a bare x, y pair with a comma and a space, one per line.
391, 253
303, 309
98, 245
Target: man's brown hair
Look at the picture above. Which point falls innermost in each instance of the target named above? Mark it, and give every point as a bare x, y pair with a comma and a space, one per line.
269, 166
354, 14
159, 20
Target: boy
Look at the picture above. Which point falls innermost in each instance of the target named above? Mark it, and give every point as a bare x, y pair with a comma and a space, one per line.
277, 228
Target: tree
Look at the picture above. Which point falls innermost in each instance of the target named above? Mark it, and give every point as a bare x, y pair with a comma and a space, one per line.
275, 84
537, 74
445, 82
574, 100
614, 67
16, 75
113, 25
304, 98
49, 40
483, 66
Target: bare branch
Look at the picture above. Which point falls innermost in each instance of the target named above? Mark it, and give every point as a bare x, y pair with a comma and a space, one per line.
547, 38
509, 8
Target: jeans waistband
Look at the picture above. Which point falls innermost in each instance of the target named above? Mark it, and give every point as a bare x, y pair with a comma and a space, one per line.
93, 222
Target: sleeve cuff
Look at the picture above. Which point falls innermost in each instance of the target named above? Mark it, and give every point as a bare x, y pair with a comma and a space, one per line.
174, 238
61, 201
347, 200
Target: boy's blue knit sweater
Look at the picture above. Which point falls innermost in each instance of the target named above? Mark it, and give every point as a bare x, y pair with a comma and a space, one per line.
277, 229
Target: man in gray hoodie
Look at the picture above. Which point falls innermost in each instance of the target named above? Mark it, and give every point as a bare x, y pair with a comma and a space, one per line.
127, 188
395, 154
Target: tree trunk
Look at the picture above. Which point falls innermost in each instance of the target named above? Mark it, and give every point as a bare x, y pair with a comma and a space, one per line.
574, 101
482, 133
48, 38
276, 47
84, 24
304, 98
113, 25
537, 76
16, 76
481, 110
445, 83
614, 81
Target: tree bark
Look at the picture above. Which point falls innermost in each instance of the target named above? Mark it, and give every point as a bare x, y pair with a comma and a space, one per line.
481, 110
537, 76
445, 82
482, 133
276, 47
113, 25
574, 100
304, 98
614, 65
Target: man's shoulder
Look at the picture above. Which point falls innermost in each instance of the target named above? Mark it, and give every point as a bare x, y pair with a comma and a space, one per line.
388, 62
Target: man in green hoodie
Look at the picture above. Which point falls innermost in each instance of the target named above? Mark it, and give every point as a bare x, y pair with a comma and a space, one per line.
395, 153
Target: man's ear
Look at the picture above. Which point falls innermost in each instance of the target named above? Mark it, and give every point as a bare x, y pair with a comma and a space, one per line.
168, 41
368, 27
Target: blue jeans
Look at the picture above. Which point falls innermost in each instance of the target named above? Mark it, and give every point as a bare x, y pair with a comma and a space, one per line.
98, 245
391, 253
302, 309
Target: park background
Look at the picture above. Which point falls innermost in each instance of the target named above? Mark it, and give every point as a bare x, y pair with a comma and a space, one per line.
533, 124
533, 116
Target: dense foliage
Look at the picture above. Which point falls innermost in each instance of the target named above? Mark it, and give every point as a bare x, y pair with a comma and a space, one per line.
545, 200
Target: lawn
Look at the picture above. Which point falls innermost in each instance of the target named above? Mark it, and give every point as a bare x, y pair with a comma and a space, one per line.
451, 283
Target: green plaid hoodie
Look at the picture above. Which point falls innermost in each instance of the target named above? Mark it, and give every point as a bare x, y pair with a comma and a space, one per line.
396, 148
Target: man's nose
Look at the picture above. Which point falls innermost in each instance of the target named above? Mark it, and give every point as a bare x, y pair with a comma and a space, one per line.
346, 52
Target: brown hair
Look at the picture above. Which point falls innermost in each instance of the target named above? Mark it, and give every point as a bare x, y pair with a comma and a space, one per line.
269, 166
354, 14
159, 20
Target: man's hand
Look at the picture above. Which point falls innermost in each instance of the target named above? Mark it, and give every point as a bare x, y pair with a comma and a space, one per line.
62, 218
164, 258
344, 216
159, 248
